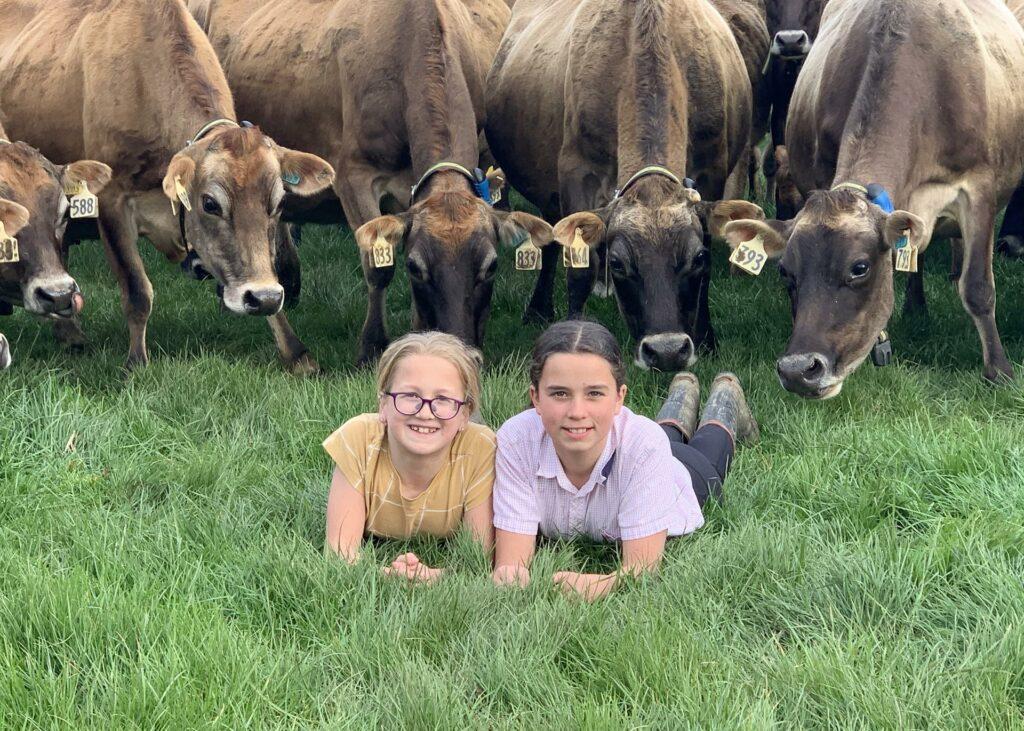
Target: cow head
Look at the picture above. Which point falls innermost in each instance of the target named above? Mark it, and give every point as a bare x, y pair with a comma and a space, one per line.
232, 185
657, 262
450, 238
795, 23
34, 204
836, 262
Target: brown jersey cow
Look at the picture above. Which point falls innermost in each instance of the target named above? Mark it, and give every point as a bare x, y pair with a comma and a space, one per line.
385, 90
864, 121
136, 84
596, 110
34, 208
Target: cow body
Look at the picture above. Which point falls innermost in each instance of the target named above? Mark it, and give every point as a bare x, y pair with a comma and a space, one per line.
34, 208
90, 78
384, 90
924, 98
583, 95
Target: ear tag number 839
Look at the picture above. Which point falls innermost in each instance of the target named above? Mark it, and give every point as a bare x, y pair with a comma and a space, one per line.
750, 256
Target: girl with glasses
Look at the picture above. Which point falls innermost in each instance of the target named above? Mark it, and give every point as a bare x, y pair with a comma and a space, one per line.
581, 463
418, 465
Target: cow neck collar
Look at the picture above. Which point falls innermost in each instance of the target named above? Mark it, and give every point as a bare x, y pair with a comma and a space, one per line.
209, 127
644, 172
874, 192
476, 179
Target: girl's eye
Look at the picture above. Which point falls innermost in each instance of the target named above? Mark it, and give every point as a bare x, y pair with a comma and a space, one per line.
559, 394
596, 394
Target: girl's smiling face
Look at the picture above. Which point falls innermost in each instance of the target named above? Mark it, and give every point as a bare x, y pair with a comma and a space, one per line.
577, 400
423, 434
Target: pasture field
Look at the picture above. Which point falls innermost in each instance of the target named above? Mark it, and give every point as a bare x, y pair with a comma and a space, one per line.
161, 536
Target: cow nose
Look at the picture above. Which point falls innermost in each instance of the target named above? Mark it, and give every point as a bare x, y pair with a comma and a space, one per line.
666, 352
266, 301
803, 373
791, 44
56, 299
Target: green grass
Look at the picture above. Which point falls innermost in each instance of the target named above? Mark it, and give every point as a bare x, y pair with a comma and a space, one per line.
161, 534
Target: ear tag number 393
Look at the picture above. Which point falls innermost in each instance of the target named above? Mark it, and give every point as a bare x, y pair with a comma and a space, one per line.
382, 254
82, 203
577, 254
8, 247
750, 256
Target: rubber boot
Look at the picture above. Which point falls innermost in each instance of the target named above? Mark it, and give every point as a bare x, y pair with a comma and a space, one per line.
681, 405
727, 406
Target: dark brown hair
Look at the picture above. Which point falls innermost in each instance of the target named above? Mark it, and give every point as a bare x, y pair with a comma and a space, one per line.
577, 336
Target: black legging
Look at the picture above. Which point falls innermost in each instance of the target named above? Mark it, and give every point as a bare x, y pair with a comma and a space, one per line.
707, 458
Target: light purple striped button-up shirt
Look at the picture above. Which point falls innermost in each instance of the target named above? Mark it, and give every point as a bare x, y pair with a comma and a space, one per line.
637, 488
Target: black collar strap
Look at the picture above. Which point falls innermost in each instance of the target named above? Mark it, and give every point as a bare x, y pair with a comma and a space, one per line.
652, 170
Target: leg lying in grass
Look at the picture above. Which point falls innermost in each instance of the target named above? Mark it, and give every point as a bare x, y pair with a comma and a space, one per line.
418, 465
581, 463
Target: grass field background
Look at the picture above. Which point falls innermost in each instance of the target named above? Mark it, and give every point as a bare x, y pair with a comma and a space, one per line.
161, 536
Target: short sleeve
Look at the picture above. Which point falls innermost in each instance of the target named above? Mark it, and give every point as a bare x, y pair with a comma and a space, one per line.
516, 507
479, 480
649, 495
349, 445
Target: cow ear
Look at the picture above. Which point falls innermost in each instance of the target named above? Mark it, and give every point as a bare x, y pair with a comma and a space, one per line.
899, 221
774, 234
514, 228
717, 214
94, 174
304, 174
389, 228
590, 226
13, 215
178, 180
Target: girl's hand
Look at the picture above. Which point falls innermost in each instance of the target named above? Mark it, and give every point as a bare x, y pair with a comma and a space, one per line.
588, 587
511, 575
409, 567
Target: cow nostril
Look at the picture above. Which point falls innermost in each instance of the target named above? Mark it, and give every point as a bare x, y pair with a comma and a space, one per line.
815, 370
262, 301
55, 300
647, 352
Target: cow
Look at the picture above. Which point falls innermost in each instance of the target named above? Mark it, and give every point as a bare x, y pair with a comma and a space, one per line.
864, 135
35, 210
793, 26
136, 84
596, 111
391, 92
1011, 235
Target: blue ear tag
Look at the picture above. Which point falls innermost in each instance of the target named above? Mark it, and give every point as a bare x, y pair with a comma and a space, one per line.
291, 178
482, 186
878, 196
689, 183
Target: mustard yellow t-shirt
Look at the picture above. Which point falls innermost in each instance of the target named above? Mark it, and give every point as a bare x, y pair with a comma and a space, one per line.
360, 450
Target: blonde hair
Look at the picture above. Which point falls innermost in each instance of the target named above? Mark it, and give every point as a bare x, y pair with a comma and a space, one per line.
465, 358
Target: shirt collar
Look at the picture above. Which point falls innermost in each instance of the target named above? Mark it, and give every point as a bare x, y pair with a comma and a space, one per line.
550, 467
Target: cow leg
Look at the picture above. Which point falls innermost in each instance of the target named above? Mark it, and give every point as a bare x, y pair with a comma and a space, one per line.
293, 352
580, 283
956, 266
914, 304
120, 237
360, 204
1011, 235
286, 265
541, 308
977, 285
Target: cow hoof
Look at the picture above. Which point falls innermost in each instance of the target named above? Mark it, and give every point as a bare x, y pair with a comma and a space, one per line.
369, 353
999, 375
537, 317
1011, 247
136, 362
304, 366
69, 334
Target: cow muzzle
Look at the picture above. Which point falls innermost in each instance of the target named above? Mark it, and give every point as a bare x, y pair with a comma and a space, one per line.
791, 45
255, 298
58, 297
5, 352
810, 375
666, 352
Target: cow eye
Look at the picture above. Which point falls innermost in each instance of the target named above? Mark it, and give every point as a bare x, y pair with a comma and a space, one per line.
859, 269
416, 270
617, 265
211, 206
489, 271
276, 208
701, 260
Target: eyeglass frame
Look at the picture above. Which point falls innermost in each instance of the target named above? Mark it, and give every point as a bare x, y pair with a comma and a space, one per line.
429, 402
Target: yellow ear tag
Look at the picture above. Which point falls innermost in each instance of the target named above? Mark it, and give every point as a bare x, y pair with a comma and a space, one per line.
906, 255
382, 254
750, 256
528, 258
182, 194
8, 247
577, 254
83, 204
